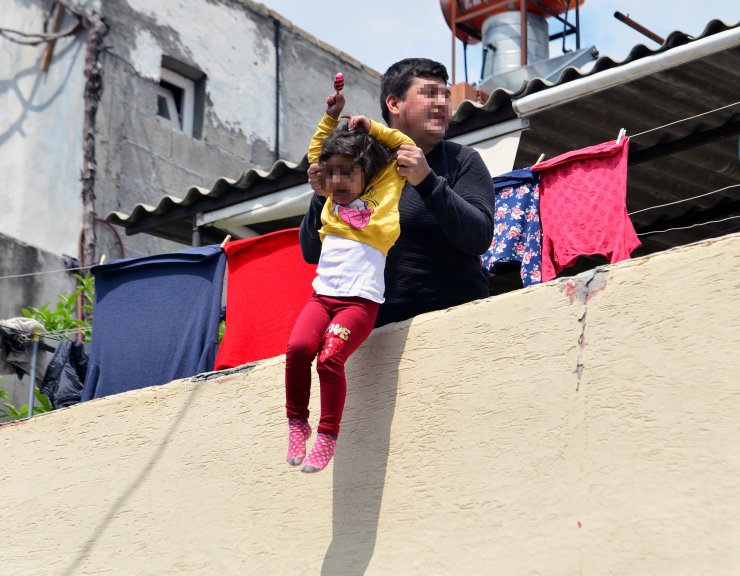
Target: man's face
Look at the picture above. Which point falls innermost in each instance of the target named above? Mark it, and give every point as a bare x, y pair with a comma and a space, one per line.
425, 112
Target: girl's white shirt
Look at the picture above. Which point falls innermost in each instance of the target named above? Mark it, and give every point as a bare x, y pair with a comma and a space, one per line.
350, 268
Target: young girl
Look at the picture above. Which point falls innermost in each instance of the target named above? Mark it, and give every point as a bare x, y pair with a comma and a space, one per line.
359, 226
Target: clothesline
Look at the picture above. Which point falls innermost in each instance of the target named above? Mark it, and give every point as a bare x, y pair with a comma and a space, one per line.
685, 199
683, 120
53, 335
62, 334
46, 272
691, 226
75, 269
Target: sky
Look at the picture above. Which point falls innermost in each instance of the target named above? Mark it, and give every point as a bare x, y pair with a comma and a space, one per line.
380, 32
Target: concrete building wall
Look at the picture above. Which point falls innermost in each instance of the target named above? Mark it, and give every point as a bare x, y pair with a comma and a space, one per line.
245, 125
583, 427
231, 43
41, 118
17, 292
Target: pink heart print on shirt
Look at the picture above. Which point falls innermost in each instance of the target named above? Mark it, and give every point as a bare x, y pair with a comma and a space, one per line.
357, 218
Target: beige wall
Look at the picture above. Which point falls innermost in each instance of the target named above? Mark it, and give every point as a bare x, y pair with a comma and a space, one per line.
472, 444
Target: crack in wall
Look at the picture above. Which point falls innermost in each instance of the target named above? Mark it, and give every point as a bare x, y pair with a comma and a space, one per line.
582, 288
581, 347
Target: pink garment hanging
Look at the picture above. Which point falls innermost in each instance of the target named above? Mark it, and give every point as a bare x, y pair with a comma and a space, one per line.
583, 197
268, 285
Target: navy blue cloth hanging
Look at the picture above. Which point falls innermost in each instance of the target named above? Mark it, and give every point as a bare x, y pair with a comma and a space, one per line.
517, 236
155, 320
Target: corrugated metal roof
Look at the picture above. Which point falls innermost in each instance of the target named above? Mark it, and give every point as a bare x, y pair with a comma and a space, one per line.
470, 113
694, 153
173, 216
669, 165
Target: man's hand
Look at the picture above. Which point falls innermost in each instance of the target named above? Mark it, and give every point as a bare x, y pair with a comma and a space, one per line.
412, 163
361, 123
335, 104
315, 179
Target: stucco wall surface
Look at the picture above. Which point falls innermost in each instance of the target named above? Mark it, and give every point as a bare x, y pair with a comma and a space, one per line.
584, 427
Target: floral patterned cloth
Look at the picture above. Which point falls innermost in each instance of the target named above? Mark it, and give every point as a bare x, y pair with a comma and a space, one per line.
517, 236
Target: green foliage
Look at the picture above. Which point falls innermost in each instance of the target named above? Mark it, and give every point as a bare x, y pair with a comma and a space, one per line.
59, 319
10, 413
63, 317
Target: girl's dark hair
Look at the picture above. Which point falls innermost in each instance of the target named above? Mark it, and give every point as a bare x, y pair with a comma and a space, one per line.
361, 148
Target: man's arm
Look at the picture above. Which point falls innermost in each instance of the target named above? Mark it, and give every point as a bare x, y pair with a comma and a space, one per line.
308, 235
465, 213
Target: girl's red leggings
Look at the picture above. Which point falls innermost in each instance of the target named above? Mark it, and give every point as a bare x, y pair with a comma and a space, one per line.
333, 328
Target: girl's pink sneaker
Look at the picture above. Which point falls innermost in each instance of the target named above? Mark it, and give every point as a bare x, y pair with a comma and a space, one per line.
321, 453
298, 432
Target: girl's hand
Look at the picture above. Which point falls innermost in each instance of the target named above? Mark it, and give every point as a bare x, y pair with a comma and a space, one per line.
361, 123
335, 104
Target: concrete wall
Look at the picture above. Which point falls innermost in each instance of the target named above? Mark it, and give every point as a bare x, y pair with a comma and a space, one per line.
17, 258
41, 117
584, 427
16, 293
233, 43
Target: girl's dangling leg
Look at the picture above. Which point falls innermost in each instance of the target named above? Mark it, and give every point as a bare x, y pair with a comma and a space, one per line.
303, 344
351, 324
299, 431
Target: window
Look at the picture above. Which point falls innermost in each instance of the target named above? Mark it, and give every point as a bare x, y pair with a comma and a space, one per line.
181, 96
176, 101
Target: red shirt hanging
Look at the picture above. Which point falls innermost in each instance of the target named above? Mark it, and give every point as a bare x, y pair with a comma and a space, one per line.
583, 197
268, 285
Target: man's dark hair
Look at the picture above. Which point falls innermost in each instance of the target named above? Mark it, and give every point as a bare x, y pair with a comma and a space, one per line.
400, 75
361, 148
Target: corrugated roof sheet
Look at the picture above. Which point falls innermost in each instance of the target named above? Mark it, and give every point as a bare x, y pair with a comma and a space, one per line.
468, 111
225, 192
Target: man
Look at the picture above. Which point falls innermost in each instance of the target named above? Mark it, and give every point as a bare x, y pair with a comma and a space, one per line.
446, 209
